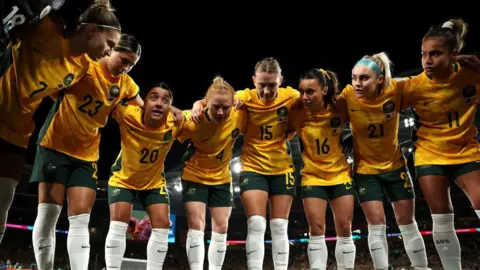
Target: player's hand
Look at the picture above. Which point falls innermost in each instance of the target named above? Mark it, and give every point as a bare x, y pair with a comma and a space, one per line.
469, 61
177, 115
197, 111
238, 104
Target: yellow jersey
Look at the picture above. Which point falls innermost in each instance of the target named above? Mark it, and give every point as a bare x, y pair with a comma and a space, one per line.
72, 126
445, 112
210, 147
34, 67
265, 148
140, 163
321, 136
374, 125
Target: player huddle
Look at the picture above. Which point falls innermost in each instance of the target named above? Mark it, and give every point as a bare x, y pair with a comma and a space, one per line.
85, 72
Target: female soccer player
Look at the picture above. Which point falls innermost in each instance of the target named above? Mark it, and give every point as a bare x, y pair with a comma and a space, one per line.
326, 173
267, 169
373, 105
444, 99
68, 149
206, 178
147, 136
39, 63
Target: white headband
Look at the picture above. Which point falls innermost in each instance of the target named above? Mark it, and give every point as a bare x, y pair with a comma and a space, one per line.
102, 25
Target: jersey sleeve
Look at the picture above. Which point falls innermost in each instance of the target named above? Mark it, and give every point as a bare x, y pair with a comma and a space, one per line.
119, 112
132, 89
242, 95
404, 86
185, 129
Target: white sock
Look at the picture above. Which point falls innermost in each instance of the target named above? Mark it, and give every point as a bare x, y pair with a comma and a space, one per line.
217, 251
414, 245
280, 244
43, 234
255, 246
78, 242
345, 253
478, 213
446, 241
157, 249
317, 252
115, 244
377, 243
195, 249
7, 192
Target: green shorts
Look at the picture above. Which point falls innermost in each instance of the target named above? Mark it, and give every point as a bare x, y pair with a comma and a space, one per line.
328, 192
450, 171
212, 195
280, 184
396, 185
56, 167
146, 197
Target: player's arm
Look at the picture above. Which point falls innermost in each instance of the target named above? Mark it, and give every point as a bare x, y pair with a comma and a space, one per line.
471, 62
177, 115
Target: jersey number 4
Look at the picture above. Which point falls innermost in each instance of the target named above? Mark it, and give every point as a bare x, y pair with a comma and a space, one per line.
86, 108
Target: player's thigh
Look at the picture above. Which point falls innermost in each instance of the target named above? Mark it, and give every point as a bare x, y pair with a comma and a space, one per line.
399, 188
195, 199
315, 200
342, 202
254, 193
468, 179
434, 180
156, 202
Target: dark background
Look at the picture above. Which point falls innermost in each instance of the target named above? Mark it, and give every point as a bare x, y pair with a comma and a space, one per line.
187, 44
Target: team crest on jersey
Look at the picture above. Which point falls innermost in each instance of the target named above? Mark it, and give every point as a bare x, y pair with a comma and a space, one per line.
114, 92
282, 113
68, 79
235, 133
470, 94
389, 109
167, 136
336, 124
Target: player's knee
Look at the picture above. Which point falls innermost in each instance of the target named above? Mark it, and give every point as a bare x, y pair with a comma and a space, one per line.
196, 224
344, 227
317, 228
404, 218
377, 219
160, 221
220, 227
79, 208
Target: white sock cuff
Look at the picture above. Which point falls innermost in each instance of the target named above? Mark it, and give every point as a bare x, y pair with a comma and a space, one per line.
79, 219
478, 213
49, 210
257, 224
195, 234
377, 229
345, 240
409, 228
160, 235
278, 223
317, 239
118, 225
219, 237
443, 222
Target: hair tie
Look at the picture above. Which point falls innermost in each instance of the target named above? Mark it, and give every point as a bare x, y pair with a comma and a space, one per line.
325, 73
448, 24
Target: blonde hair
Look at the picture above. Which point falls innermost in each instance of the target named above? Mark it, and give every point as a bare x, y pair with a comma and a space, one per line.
219, 85
269, 65
385, 65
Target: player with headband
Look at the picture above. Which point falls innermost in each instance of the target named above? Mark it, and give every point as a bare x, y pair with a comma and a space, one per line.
373, 103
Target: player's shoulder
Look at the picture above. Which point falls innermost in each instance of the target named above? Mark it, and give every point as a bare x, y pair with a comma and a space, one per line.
289, 92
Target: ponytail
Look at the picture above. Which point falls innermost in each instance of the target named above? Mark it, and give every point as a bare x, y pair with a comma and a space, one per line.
452, 31
381, 64
221, 86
